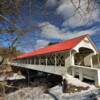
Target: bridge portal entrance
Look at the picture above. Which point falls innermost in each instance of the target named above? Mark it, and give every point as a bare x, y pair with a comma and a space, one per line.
83, 57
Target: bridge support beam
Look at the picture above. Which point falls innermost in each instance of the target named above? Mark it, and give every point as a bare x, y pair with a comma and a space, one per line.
34, 61
73, 72
46, 60
80, 74
97, 78
29, 60
55, 60
98, 57
39, 60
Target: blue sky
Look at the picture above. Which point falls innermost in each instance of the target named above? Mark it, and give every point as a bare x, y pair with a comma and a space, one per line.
57, 21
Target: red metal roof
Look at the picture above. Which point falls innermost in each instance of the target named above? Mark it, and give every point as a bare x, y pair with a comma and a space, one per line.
63, 46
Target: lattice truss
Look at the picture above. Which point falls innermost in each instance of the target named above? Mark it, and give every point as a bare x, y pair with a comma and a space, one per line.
57, 59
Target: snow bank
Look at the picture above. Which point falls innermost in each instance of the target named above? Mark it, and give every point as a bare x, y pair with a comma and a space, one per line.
77, 82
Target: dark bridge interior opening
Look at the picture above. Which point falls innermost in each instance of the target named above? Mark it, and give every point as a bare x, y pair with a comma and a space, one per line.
79, 57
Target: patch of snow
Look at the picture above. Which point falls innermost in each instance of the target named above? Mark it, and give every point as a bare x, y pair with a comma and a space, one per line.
83, 95
16, 77
77, 82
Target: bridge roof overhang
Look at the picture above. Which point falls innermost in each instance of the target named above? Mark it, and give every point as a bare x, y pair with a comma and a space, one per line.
63, 46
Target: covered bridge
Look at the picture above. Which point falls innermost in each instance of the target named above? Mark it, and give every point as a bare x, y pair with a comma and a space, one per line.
76, 56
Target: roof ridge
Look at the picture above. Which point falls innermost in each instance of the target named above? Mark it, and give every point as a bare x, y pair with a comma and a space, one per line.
64, 41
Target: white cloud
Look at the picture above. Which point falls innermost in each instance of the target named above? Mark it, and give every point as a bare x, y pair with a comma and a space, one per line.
65, 9
85, 15
51, 31
41, 44
79, 33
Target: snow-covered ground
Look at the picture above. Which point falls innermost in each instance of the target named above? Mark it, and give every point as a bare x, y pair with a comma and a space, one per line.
55, 93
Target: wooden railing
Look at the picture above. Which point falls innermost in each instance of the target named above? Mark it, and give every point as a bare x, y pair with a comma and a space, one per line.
59, 70
85, 72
